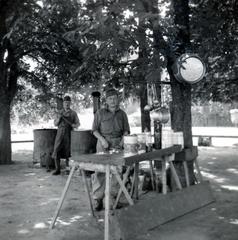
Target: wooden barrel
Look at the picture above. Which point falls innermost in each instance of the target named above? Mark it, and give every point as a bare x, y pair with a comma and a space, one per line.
43, 146
82, 142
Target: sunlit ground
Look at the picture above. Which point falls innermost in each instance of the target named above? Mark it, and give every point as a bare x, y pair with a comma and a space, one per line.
39, 193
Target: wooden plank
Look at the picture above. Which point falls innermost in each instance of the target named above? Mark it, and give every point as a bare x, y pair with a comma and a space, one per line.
152, 175
23, 141
156, 209
154, 155
107, 204
198, 170
136, 180
164, 177
185, 166
102, 159
215, 136
92, 167
87, 191
120, 190
122, 186
120, 159
175, 176
60, 203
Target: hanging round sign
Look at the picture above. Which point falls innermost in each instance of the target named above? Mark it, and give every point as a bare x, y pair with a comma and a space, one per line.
189, 68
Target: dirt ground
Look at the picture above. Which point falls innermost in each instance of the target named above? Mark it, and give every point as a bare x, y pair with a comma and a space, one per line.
29, 195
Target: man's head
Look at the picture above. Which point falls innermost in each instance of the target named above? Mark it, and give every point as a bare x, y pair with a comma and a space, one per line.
66, 102
112, 98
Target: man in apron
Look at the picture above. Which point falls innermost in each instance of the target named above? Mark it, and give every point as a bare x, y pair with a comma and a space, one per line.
109, 126
66, 120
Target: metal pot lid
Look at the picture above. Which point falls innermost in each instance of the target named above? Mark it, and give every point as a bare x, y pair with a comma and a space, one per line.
189, 68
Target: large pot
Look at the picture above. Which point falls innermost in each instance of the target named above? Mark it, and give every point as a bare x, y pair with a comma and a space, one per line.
160, 114
44, 140
82, 142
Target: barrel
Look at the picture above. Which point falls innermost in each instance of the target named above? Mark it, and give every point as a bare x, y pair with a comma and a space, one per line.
82, 142
44, 140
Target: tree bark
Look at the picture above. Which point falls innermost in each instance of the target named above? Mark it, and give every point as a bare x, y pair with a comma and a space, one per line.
157, 65
5, 131
180, 108
145, 115
142, 68
8, 88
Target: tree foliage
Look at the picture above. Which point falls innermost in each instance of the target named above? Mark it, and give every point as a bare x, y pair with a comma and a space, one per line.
80, 46
214, 30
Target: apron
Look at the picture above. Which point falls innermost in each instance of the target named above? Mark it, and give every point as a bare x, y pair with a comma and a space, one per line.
63, 139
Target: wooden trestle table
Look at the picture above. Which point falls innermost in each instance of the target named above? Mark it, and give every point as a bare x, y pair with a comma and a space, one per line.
110, 164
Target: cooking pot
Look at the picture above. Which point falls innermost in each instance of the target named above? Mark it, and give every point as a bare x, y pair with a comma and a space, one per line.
160, 114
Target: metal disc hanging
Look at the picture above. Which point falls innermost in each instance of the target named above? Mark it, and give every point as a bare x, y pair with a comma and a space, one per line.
189, 68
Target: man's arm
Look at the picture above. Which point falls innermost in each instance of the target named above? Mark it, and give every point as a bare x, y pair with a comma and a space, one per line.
76, 123
96, 130
101, 139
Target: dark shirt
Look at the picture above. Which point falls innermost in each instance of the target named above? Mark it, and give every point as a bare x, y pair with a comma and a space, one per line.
110, 124
69, 117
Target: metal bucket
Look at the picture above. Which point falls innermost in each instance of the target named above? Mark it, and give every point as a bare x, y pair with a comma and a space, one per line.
130, 144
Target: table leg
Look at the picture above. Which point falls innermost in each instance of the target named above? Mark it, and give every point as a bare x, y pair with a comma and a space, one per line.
60, 203
120, 190
185, 166
175, 175
198, 170
136, 184
164, 180
107, 203
152, 175
127, 195
87, 191
133, 185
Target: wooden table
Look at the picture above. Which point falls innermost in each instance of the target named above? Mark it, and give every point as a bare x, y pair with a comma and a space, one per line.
109, 163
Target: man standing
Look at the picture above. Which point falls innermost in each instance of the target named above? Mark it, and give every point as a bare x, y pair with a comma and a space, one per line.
66, 120
109, 126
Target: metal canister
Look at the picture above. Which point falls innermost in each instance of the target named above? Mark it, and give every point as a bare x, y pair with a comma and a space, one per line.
130, 144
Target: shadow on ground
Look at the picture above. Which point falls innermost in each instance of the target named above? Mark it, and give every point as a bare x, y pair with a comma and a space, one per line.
29, 195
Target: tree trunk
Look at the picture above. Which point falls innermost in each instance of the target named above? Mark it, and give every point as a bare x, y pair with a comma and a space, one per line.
157, 65
8, 87
180, 108
5, 131
142, 68
145, 115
